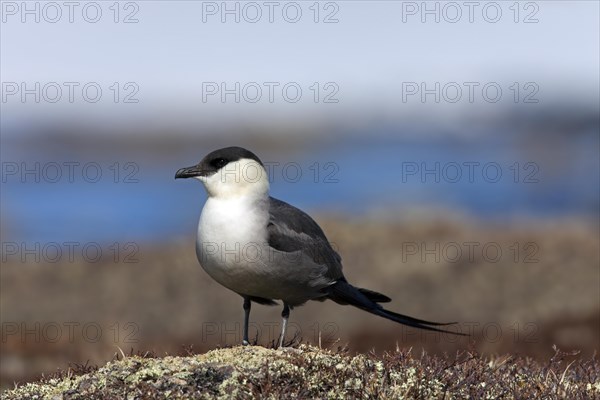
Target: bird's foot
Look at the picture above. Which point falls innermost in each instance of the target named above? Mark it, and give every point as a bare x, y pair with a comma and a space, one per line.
245, 343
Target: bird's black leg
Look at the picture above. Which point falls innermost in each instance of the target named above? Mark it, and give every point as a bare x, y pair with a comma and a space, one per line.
285, 314
247, 305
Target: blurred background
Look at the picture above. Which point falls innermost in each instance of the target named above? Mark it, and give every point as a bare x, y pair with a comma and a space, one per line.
450, 153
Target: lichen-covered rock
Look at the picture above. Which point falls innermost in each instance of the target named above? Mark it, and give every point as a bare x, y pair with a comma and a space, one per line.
310, 372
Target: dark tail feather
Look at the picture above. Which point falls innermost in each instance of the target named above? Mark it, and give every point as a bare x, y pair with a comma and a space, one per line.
374, 296
343, 293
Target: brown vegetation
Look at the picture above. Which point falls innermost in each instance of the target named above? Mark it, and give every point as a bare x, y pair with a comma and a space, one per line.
165, 301
310, 372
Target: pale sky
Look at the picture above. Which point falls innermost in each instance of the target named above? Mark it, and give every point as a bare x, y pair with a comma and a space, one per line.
170, 55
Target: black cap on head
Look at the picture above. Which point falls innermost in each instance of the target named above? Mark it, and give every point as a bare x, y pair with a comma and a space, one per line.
216, 160
230, 154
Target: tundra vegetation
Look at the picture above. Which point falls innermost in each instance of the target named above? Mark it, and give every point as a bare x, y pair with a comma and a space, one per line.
304, 371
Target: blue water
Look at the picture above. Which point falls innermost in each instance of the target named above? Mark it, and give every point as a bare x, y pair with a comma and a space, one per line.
355, 176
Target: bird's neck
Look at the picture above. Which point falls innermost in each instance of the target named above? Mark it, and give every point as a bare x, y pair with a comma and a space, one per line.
234, 219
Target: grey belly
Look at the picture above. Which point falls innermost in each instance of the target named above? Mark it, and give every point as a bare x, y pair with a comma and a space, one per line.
261, 271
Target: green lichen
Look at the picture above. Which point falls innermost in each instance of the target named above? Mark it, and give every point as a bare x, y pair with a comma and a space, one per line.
310, 372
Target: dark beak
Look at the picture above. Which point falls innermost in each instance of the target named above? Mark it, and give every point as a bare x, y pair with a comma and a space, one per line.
188, 172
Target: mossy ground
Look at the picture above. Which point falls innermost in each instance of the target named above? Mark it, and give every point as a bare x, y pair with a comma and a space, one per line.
310, 372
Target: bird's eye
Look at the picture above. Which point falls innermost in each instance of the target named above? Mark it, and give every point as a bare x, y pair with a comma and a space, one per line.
219, 162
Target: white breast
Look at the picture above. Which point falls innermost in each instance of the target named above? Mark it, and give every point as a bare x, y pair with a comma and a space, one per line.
229, 231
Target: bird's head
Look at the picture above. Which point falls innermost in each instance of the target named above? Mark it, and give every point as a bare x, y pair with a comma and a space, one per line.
229, 172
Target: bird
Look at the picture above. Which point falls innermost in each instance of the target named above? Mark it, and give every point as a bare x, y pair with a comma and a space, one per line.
265, 249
